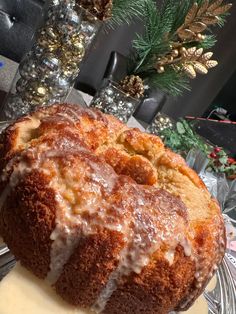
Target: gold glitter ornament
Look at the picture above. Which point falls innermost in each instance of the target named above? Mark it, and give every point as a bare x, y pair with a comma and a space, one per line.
38, 89
70, 70
175, 52
77, 41
36, 94
183, 51
160, 69
74, 55
49, 39
199, 37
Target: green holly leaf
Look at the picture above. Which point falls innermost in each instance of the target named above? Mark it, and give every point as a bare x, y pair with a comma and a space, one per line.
223, 160
180, 128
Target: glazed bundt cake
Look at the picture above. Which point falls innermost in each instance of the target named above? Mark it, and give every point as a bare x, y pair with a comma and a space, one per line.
115, 221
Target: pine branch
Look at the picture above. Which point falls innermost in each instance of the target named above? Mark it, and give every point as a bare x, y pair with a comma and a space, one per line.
208, 42
170, 81
124, 11
157, 26
173, 44
222, 19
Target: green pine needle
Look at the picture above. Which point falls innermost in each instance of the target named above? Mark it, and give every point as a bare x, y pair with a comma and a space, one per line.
170, 81
124, 11
208, 42
222, 19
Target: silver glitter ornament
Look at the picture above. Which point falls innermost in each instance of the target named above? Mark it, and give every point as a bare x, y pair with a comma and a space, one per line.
68, 22
29, 68
38, 51
49, 66
59, 87
21, 85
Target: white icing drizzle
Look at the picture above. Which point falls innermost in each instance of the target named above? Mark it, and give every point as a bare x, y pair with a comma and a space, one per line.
204, 267
144, 239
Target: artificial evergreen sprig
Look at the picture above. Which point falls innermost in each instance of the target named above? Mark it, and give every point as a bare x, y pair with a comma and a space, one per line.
124, 11
166, 55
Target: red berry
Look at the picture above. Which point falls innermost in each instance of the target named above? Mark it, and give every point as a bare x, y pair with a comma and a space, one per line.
217, 149
213, 155
231, 161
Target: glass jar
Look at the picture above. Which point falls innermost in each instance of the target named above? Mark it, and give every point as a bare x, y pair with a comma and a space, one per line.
110, 99
47, 73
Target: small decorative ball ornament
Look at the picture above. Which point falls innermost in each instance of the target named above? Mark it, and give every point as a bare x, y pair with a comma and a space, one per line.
159, 124
175, 53
60, 86
36, 93
68, 22
38, 51
49, 66
28, 68
183, 51
160, 69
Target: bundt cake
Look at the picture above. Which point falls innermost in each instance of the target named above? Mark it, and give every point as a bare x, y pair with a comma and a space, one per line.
115, 221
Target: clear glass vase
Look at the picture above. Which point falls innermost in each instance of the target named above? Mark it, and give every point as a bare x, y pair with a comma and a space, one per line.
159, 123
112, 100
47, 73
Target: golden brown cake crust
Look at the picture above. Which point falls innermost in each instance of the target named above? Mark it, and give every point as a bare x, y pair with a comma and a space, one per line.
110, 216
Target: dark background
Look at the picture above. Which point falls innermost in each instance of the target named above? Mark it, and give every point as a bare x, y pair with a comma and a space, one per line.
20, 18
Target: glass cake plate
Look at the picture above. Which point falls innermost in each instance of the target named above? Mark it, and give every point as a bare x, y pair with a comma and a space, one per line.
221, 300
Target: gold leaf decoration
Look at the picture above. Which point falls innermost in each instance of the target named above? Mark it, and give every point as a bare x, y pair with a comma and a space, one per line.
198, 52
191, 51
210, 19
215, 5
207, 56
203, 8
189, 70
197, 27
211, 64
200, 68
186, 34
191, 14
223, 9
